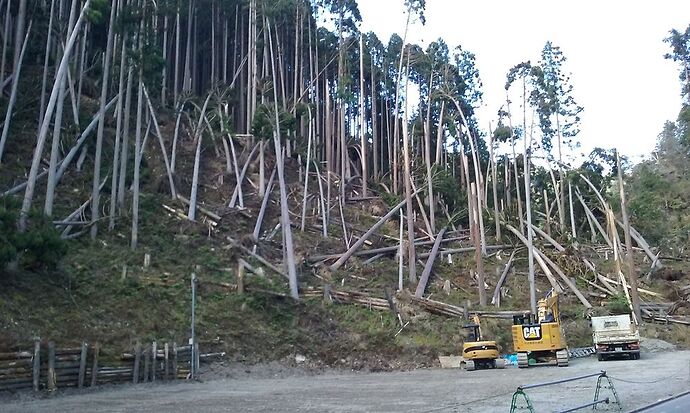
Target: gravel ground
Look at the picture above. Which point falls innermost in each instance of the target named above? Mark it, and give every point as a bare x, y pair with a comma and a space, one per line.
656, 376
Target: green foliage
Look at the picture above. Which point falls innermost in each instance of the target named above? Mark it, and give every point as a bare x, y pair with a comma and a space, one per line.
680, 52
447, 188
98, 12
618, 304
39, 247
264, 119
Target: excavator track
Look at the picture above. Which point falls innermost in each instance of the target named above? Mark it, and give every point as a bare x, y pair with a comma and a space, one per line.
562, 358
523, 360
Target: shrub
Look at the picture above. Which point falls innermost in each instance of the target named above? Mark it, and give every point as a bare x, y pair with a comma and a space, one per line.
39, 247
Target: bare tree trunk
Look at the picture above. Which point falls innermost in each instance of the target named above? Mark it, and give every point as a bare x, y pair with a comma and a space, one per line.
427, 161
137, 163
362, 110
33, 172
187, 81
306, 172
55, 144
46, 60
137, 144
515, 169
13, 93
494, 183
634, 295
96, 189
475, 211
5, 37
176, 86
118, 135
264, 203
396, 136
374, 122
125, 144
439, 134
419, 292
411, 257
19, 34
284, 212
164, 74
530, 231
572, 212
197, 160
547, 212
55, 151
168, 170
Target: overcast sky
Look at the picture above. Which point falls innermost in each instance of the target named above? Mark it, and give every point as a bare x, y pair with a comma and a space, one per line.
614, 49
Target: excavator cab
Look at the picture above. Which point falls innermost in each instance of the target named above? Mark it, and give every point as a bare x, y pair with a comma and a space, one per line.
478, 353
539, 339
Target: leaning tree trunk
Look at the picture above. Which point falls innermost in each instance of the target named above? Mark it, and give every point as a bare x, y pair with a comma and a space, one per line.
284, 211
43, 132
13, 94
46, 60
634, 295
55, 144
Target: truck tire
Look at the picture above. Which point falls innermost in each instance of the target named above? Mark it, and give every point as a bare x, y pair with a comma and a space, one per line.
600, 357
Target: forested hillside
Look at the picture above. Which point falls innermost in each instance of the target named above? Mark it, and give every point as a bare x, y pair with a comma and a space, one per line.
289, 161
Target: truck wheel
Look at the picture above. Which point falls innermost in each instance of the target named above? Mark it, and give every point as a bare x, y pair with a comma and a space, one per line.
600, 357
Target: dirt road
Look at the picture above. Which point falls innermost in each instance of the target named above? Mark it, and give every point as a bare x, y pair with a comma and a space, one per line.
655, 376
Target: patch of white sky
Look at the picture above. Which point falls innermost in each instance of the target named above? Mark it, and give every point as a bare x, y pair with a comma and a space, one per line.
614, 50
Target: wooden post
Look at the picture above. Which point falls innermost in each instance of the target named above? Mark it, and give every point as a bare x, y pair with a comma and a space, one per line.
82, 364
94, 368
195, 360
52, 384
147, 364
154, 357
166, 358
36, 373
240, 278
635, 297
137, 362
327, 294
174, 361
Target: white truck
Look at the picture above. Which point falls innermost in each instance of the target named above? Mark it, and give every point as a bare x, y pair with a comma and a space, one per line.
615, 335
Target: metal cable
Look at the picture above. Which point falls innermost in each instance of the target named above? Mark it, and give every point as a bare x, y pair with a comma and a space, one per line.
458, 404
647, 382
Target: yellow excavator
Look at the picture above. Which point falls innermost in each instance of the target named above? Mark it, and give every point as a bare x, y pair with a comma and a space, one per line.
477, 352
541, 340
